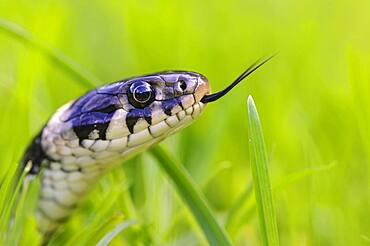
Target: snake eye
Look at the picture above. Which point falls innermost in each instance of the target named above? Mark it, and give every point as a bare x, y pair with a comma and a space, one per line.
141, 94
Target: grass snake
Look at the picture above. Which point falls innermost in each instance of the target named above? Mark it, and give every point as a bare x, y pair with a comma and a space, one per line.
89, 136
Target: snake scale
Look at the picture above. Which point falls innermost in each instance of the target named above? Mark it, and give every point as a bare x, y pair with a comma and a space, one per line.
89, 136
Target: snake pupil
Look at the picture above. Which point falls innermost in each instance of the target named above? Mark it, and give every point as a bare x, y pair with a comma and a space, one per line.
141, 94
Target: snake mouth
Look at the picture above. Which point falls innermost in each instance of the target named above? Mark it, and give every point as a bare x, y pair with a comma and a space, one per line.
215, 96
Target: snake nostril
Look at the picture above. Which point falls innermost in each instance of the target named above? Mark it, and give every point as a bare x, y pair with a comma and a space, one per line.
183, 85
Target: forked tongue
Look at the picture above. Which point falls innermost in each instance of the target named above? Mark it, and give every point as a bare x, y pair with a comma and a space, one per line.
251, 69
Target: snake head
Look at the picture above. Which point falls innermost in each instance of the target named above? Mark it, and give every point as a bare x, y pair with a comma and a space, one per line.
172, 97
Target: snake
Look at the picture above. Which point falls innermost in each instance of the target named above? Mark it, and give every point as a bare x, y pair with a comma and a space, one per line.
87, 137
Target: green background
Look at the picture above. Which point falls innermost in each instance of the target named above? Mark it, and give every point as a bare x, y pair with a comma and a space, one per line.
313, 99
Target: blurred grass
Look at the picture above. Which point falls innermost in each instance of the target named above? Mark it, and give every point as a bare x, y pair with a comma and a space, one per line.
81, 75
314, 98
113, 233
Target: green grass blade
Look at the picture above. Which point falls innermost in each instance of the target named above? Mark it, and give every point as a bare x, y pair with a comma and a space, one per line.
193, 197
113, 233
82, 76
261, 180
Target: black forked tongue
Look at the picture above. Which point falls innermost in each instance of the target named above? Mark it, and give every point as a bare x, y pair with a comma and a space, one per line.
251, 69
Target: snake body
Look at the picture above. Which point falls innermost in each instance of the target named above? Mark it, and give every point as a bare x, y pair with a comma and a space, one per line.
85, 138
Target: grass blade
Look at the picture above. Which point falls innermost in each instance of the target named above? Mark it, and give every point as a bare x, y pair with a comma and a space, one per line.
113, 233
193, 197
261, 180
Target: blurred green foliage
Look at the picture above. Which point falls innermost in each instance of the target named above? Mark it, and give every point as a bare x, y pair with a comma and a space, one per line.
313, 99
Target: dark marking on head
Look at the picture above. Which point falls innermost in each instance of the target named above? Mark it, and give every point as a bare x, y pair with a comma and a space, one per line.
88, 122
135, 114
168, 105
83, 132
